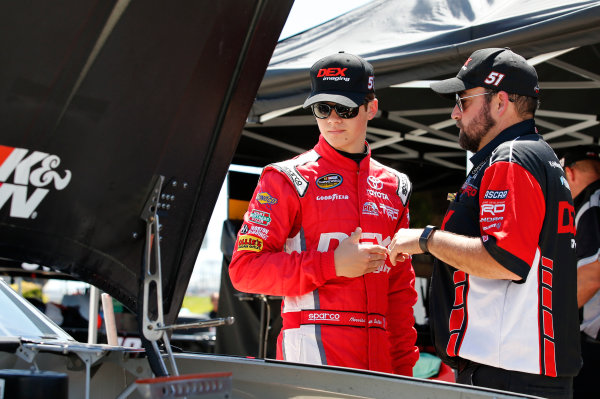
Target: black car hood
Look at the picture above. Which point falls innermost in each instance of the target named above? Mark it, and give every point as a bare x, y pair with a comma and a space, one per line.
99, 99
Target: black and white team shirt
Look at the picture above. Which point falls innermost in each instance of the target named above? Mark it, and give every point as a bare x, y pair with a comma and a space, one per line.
517, 200
587, 221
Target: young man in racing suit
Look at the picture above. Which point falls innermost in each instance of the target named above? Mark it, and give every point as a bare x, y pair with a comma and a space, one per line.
316, 232
503, 300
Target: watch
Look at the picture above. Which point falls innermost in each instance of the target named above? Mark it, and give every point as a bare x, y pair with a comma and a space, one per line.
427, 231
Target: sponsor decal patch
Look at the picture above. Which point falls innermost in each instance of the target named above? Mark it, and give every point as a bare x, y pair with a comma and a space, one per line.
370, 208
332, 197
489, 220
492, 208
333, 74
249, 243
374, 183
495, 194
467, 63
404, 187
33, 170
259, 231
469, 189
383, 269
358, 320
266, 199
492, 226
324, 316
377, 194
392, 213
555, 164
259, 217
328, 181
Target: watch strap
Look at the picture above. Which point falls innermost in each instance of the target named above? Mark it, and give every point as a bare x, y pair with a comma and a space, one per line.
424, 239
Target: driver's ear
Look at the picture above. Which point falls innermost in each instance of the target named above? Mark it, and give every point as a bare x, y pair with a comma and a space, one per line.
373, 107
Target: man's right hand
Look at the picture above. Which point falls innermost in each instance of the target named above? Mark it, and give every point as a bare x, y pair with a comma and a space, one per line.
353, 259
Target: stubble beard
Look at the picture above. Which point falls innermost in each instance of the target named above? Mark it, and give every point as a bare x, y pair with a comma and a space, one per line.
470, 137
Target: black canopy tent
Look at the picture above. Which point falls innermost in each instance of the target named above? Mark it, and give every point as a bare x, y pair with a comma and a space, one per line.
410, 43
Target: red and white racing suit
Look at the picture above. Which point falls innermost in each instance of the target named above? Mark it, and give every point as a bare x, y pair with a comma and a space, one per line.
301, 210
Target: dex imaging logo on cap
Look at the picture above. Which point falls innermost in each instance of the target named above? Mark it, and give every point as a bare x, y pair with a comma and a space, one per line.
341, 78
333, 74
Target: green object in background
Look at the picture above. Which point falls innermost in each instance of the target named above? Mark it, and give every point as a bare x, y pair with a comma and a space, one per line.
197, 304
118, 306
427, 366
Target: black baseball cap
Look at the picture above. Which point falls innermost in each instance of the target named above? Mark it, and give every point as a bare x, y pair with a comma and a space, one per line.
494, 68
579, 153
341, 78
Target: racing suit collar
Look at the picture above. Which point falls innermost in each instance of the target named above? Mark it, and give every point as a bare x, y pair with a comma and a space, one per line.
510, 133
325, 149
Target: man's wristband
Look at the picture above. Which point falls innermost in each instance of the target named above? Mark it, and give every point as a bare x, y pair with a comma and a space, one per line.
427, 231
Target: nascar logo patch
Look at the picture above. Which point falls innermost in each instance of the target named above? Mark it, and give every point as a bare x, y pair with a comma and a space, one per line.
328, 181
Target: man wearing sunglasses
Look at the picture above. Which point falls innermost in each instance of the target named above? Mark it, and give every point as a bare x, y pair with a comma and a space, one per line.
503, 300
316, 233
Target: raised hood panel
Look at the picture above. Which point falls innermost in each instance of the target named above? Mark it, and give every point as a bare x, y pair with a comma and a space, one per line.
99, 98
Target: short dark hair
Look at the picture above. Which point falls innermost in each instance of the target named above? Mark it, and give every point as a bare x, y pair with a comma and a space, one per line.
525, 105
368, 98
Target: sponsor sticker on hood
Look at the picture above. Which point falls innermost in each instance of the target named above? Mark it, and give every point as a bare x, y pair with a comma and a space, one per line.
26, 177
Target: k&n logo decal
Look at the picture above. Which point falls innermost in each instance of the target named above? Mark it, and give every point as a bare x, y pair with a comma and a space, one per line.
33, 176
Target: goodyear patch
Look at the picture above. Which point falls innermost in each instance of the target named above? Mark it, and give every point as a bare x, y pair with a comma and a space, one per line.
328, 181
250, 243
259, 217
265, 198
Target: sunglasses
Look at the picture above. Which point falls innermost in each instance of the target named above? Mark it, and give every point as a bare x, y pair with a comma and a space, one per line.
323, 110
459, 99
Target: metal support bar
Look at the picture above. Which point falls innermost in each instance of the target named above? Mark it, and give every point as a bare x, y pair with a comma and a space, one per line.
153, 319
201, 324
93, 315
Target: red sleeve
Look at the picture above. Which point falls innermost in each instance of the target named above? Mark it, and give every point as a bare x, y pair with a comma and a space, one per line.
512, 209
401, 299
259, 263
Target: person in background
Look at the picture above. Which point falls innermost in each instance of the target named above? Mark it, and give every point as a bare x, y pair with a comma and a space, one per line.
582, 170
214, 300
503, 302
316, 232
